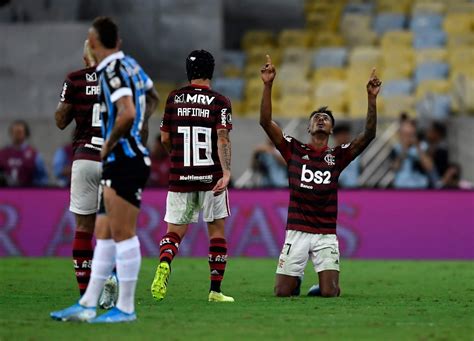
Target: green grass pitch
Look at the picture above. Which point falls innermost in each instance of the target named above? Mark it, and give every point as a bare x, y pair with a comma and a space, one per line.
381, 300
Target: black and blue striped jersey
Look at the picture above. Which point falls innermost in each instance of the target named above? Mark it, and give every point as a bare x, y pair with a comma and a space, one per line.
120, 76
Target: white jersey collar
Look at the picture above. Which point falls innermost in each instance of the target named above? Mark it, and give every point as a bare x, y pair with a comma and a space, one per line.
109, 58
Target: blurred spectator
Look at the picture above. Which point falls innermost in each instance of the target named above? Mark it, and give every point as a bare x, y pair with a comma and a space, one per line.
20, 164
160, 165
437, 147
268, 163
62, 164
411, 163
452, 179
350, 175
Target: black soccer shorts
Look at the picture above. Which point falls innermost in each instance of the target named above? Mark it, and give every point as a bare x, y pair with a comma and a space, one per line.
127, 177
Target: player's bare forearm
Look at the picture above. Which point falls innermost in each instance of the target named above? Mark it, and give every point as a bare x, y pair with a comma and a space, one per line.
224, 150
152, 101
63, 115
273, 131
166, 141
125, 117
363, 140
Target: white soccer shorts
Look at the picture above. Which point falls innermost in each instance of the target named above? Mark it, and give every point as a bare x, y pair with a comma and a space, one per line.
184, 208
85, 181
299, 246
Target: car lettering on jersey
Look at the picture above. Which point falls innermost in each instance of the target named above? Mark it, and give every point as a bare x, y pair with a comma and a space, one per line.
194, 99
194, 112
224, 117
318, 177
330, 159
91, 77
63, 93
92, 90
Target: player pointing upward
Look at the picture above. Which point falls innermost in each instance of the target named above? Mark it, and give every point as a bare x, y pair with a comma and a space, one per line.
313, 170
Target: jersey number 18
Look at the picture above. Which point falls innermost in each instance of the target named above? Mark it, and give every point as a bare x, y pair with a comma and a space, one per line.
192, 144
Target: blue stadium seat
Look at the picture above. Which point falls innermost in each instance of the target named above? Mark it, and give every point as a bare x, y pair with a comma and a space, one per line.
426, 21
230, 87
359, 8
429, 39
399, 87
434, 107
385, 22
330, 57
431, 70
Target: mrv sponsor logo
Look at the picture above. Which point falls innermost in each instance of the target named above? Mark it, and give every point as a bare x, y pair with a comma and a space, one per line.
195, 99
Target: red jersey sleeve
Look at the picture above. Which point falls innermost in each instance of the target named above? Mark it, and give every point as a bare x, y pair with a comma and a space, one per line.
68, 91
344, 156
166, 121
224, 119
285, 147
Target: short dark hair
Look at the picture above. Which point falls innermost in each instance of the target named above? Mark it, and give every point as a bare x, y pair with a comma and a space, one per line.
341, 128
22, 123
324, 110
440, 128
200, 65
107, 30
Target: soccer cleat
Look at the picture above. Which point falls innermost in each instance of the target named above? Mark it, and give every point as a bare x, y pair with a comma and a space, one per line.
75, 312
115, 315
160, 282
296, 291
219, 297
314, 290
109, 294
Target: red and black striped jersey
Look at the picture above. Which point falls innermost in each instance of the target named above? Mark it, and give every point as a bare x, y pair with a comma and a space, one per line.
313, 180
81, 90
193, 115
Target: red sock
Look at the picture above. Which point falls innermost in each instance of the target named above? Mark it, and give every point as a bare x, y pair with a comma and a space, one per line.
82, 253
169, 246
217, 262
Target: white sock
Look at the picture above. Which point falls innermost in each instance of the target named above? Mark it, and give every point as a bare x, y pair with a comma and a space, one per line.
102, 265
128, 266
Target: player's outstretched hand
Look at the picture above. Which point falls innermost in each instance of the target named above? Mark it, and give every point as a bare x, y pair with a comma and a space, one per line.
221, 185
374, 84
268, 71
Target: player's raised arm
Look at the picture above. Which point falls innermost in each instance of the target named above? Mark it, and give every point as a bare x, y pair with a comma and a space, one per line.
363, 139
272, 129
224, 150
125, 117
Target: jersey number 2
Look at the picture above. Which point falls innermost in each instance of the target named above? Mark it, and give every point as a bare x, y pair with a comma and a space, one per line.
192, 144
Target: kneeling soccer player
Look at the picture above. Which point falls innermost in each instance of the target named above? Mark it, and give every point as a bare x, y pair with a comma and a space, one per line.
313, 170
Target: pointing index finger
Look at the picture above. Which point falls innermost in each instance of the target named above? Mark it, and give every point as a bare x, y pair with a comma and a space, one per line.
269, 60
373, 73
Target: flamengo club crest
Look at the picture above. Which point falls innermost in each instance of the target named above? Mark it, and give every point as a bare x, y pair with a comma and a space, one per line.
330, 159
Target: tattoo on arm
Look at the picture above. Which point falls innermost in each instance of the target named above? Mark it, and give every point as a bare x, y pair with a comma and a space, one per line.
224, 149
362, 140
63, 115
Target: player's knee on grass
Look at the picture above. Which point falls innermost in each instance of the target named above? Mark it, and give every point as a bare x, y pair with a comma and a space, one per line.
329, 291
282, 291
